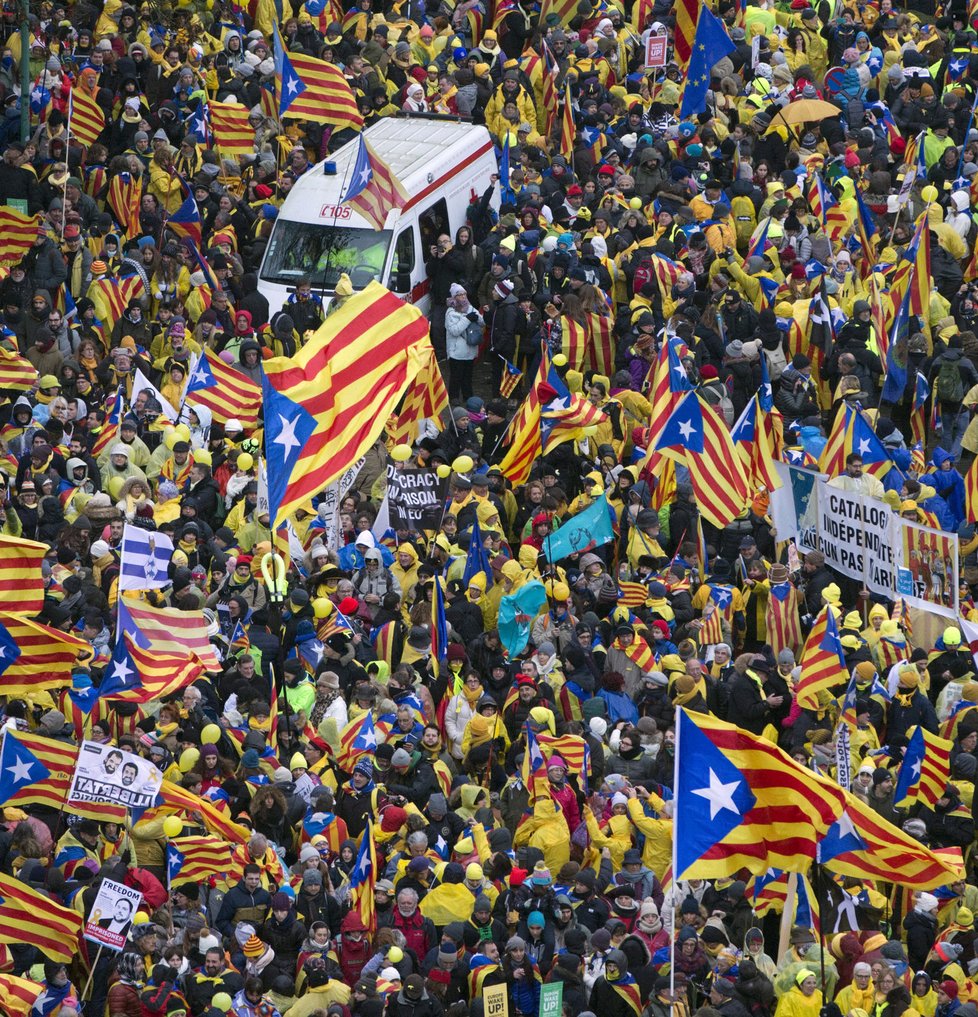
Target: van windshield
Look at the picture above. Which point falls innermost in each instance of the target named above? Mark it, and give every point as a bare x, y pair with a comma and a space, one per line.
323, 252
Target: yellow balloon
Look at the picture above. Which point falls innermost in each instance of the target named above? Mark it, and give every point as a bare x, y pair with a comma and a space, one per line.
635, 203
140, 918
169, 436
188, 759
929, 193
183, 432
463, 464
401, 453
210, 735
222, 1001
173, 826
321, 607
443, 470
559, 360
395, 954
203, 457
115, 486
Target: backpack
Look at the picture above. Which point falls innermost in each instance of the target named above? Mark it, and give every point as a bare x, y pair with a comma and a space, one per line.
744, 217
474, 333
777, 361
950, 386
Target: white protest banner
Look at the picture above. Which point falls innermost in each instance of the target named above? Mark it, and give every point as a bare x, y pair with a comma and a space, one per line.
112, 914
107, 774
332, 498
843, 758
855, 535
141, 384
794, 507
414, 497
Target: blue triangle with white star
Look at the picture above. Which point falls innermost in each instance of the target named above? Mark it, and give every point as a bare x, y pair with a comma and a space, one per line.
684, 428
9, 650
19, 767
292, 85
712, 796
840, 837
288, 428
202, 376
121, 674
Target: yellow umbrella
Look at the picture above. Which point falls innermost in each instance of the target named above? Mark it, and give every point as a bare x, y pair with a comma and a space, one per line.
805, 111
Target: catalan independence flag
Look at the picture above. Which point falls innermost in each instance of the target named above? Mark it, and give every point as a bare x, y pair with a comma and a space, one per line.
136, 675
971, 492
695, 434
363, 879
510, 379
439, 629
20, 573
34, 919
313, 89
326, 405
425, 399
743, 803
823, 661
924, 770
16, 372
860, 843
110, 428
191, 859
686, 13
34, 657
17, 234
233, 135
86, 120
374, 191
167, 630
37, 770
357, 739
224, 391
185, 221
523, 432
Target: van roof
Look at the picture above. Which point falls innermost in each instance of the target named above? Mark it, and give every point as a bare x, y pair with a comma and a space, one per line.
409, 145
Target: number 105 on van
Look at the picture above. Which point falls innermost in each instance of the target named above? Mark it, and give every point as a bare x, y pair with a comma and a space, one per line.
335, 212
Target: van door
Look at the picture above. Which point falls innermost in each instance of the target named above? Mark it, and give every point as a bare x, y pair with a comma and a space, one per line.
399, 280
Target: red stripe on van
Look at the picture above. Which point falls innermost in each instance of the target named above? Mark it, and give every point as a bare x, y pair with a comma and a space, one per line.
435, 184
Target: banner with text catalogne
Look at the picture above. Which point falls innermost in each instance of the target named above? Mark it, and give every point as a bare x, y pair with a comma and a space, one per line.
864, 539
107, 774
112, 914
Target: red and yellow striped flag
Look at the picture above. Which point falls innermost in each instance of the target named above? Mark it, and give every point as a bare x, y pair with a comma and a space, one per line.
224, 391
823, 661
971, 492
17, 234
45, 656
34, 919
426, 398
174, 799
327, 97
567, 128
158, 675
86, 120
686, 13
168, 630
124, 195
382, 192
17, 995
925, 770
233, 135
16, 372
564, 9
111, 296
21, 583
190, 859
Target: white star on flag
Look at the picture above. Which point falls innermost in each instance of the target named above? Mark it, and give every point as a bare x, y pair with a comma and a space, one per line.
286, 437
21, 771
719, 795
863, 446
121, 670
686, 429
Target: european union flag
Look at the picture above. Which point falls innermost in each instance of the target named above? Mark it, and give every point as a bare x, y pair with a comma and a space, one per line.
588, 529
477, 558
18, 767
710, 45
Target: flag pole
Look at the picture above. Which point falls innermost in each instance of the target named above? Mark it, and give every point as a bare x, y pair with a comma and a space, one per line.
817, 890
675, 858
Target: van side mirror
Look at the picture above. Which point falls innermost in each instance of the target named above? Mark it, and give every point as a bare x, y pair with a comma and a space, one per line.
401, 282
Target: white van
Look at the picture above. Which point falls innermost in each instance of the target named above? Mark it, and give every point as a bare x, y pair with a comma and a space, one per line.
443, 165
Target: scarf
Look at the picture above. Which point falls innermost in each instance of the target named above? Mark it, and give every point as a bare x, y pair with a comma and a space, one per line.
179, 475
638, 652
472, 696
627, 988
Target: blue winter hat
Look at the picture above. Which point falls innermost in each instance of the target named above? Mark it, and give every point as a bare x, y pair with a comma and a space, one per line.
250, 759
686, 129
